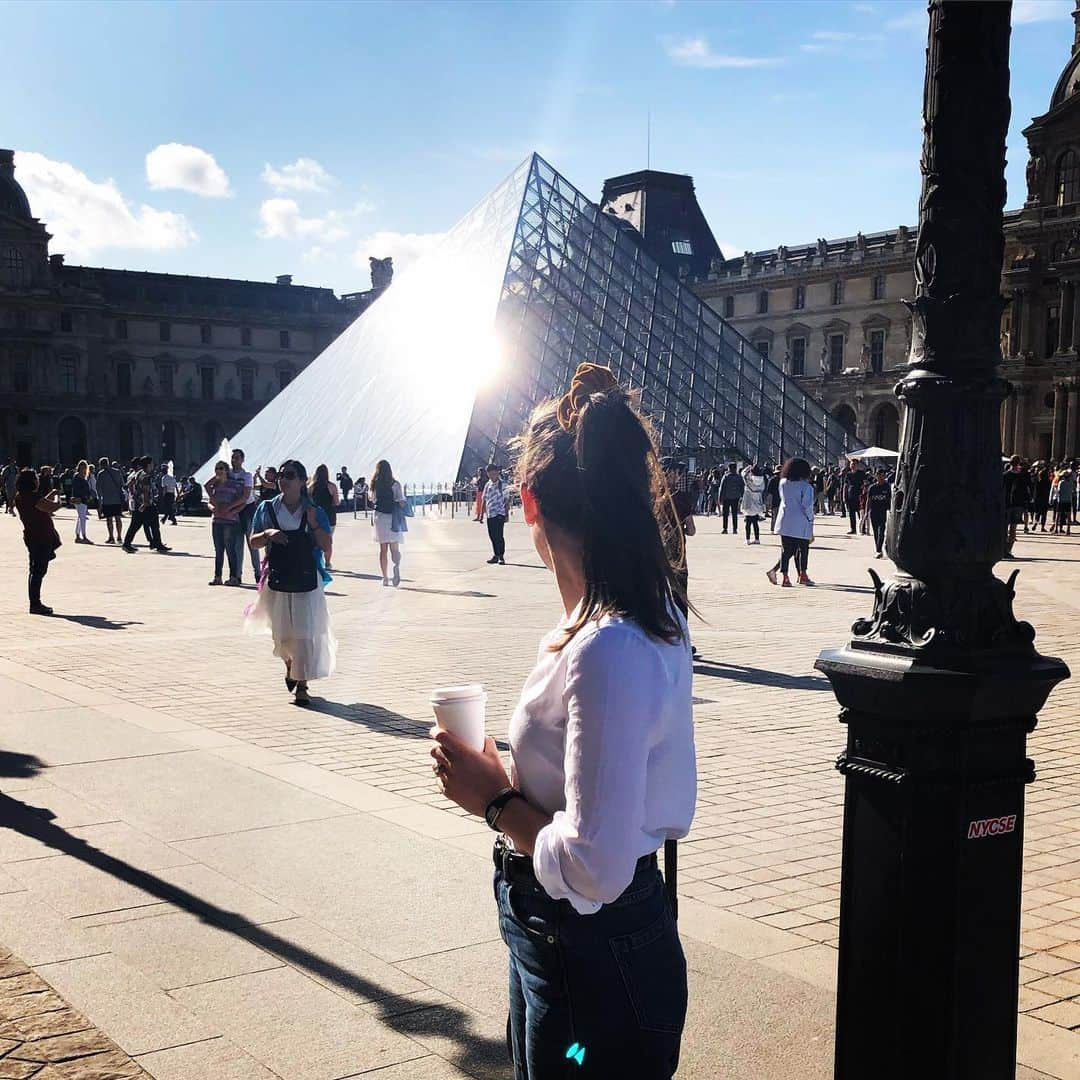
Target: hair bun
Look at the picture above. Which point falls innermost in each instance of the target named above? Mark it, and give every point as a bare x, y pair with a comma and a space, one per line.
589, 379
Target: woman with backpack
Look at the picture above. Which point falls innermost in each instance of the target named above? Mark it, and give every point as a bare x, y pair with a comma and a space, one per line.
291, 606
324, 494
602, 746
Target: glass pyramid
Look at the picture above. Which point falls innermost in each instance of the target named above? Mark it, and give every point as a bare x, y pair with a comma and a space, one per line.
444, 369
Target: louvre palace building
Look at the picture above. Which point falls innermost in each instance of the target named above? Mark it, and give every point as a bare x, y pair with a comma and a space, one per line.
120, 362
832, 312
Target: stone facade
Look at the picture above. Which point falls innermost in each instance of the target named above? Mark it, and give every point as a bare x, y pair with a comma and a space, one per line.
119, 362
832, 312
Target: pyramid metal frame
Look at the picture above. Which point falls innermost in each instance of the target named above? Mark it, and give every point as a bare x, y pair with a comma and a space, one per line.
579, 286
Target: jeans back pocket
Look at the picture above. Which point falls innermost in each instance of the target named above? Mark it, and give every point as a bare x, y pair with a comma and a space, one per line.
653, 968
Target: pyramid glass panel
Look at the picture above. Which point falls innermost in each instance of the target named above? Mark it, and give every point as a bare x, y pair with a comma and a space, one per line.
443, 371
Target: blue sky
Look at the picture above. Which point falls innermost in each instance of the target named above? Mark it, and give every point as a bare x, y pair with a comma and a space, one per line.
248, 139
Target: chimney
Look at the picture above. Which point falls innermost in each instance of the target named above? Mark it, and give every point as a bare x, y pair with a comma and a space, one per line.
284, 279
56, 262
7, 162
1076, 36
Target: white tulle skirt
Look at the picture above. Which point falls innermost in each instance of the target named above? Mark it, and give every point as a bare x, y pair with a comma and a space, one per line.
300, 626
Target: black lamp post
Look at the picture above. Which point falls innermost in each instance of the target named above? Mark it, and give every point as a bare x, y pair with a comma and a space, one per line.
941, 685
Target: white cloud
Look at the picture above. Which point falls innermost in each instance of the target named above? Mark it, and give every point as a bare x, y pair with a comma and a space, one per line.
1029, 11
914, 19
696, 52
832, 40
863, 9
281, 220
304, 174
87, 216
403, 248
186, 168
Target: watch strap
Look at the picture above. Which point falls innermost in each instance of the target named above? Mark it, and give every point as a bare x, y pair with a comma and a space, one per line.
495, 807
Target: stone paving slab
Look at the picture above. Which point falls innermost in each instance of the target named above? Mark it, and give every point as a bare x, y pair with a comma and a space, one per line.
316, 840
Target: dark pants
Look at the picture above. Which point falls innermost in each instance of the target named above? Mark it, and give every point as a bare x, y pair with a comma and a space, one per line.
730, 506
751, 520
797, 548
144, 519
495, 531
225, 534
168, 507
40, 554
613, 982
853, 514
877, 523
239, 540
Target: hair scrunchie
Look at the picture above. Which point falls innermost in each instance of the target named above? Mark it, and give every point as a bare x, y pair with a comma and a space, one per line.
588, 379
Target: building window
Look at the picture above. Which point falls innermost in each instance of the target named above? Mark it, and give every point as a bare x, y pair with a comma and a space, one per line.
65, 322
682, 247
13, 265
798, 356
206, 380
121, 329
245, 335
838, 292
729, 307
20, 376
836, 353
877, 351
283, 339
247, 384
1053, 316
165, 380
204, 333
800, 297
164, 331
1067, 178
67, 374
763, 302
284, 378
762, 348
878, 288
123, 380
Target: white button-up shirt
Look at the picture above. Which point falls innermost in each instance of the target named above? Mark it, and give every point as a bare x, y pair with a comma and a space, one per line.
603, 740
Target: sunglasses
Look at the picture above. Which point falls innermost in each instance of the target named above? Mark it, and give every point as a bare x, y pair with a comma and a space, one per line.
287, 475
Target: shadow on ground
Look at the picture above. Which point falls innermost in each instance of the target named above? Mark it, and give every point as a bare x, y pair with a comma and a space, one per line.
473, 1053
20, 766
759, 676
98, 622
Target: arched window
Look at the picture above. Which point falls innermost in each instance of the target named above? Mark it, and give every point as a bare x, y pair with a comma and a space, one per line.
1067, 178
844, 415
887, 427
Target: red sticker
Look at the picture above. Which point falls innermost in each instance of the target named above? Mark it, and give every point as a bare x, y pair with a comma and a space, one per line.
993, 826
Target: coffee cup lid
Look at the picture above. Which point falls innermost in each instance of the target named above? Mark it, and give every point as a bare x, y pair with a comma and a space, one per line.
444, 694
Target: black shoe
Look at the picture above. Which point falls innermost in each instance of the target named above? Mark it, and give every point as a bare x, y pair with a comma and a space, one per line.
40, 609
290, 684
493, 560
502, 561
162, 549
129, 549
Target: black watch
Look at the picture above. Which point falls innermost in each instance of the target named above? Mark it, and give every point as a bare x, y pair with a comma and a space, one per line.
495, 807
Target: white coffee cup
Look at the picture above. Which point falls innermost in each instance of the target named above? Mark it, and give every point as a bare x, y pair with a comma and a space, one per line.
460, 710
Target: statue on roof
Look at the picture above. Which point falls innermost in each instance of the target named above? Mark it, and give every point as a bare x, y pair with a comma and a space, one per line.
860, 243
822, 247
382, 272
1036, 166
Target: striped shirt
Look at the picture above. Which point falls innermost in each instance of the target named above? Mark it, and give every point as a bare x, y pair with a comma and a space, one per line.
495, 498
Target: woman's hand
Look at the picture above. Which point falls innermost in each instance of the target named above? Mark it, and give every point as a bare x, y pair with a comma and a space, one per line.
468, 777
312, 518
275, 536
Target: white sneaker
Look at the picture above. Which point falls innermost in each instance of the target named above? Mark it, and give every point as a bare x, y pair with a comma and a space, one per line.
386, 582
397, 576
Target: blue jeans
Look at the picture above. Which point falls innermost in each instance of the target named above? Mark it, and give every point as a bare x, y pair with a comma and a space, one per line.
225, 535
613, 982
239, 541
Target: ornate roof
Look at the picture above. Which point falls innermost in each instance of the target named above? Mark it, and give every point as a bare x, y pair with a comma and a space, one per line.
1069, 82
13, 200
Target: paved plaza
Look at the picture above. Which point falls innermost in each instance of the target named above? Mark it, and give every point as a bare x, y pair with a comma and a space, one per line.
218, 884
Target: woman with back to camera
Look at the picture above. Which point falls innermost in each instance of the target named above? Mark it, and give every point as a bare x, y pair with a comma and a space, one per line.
80, 495
324, 494
795, 521
602, 748
389, 524
291, 606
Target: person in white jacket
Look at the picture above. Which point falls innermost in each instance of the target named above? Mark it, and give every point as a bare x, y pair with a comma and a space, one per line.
753, 501
795, 522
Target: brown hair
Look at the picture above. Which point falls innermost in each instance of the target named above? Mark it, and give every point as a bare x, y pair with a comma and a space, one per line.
590, 461
795, 468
